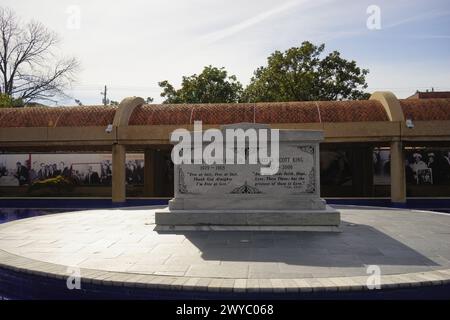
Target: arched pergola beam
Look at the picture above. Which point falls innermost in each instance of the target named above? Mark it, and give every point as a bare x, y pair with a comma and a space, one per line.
390, 104
125, 109
121, 119
397, 162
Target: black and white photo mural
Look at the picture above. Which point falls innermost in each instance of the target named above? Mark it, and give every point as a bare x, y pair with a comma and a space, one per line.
381, 166
423, 166
336, 167
80, 169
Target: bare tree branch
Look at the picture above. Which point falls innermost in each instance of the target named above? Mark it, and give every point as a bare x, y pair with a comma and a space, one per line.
29, 69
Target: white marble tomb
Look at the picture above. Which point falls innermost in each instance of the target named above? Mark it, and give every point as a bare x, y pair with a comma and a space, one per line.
239, 197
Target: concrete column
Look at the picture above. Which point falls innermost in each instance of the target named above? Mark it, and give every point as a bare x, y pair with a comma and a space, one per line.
398, 181
118, 173
149, 173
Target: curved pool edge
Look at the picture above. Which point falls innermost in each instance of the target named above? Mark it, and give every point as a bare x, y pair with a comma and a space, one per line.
27, 278
24, 278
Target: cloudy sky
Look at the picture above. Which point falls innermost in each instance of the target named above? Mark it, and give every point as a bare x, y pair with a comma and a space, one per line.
131, 45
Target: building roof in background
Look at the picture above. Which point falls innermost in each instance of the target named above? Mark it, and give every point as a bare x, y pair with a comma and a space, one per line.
431, 95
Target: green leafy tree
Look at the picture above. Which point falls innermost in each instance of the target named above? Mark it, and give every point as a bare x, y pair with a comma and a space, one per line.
213, 85
304, 74
7, 101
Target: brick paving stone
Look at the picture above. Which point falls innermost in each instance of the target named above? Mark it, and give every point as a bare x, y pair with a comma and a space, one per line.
114, 246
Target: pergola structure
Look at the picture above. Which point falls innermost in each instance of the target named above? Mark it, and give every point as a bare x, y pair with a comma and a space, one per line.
136, 126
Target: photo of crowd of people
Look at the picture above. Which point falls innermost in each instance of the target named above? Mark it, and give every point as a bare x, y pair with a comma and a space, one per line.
81, 169
428, 167
422, 166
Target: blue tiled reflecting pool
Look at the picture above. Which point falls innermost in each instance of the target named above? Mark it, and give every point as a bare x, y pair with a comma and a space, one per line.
8, 215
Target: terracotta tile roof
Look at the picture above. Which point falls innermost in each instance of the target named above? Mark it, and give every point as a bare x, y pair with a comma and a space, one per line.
56, 116
287, 112
352, 111
28, 117
273, 112
427, 109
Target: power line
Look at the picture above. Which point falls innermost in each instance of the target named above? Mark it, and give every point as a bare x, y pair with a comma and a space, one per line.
82, 87
119, 87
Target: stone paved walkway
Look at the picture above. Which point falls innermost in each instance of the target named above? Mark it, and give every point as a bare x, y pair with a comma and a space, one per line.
123, 240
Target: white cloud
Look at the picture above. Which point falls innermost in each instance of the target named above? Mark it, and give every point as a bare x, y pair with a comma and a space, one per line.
241, 26
131, 45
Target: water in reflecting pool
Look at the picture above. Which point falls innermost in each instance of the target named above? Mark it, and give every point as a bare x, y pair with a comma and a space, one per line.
9, 214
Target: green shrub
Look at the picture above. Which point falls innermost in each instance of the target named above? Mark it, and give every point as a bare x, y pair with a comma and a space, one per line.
54, 185
8, 101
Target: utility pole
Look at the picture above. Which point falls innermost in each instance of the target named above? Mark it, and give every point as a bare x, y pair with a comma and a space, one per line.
104, 93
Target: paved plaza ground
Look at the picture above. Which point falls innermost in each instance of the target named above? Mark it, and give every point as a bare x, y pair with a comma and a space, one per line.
118, 245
